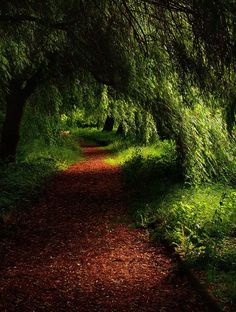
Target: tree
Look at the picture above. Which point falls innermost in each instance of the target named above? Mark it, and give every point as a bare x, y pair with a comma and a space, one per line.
159, 53
60, 48
109, 123
15, 102
120, 129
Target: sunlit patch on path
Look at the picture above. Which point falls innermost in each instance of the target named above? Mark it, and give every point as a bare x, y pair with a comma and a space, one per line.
75, 251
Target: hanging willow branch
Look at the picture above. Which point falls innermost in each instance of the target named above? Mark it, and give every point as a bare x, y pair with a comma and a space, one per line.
212, 22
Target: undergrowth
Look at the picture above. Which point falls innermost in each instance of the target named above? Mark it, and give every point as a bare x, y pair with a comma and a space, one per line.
94, 136
37, 161
127, 151
199, 221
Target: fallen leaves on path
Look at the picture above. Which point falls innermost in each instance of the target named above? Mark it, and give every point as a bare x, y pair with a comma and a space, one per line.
72, 252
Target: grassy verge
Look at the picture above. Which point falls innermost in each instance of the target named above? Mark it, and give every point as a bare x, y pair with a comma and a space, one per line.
37, 161
200, 222
21, 181
125, 151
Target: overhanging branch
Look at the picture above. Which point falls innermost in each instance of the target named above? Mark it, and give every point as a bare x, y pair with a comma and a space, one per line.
62, 25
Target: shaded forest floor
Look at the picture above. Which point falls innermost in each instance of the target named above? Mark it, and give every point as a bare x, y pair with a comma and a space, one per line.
76, 251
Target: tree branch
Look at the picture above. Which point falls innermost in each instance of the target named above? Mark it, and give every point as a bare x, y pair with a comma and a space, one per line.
32, 19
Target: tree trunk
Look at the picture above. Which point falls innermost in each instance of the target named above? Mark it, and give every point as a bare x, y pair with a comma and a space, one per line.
120, 130
230, 115
109, 123
15, 102
181, 155
11, 127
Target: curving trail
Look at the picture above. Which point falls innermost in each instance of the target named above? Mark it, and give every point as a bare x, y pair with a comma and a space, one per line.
74, 251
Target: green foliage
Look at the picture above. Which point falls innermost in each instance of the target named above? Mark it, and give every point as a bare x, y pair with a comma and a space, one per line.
143, 158
157, 63
170, 67
198, 221
209, 152
42, 151
138, 124
195, 120
61, 153
23, 180
222, 284
95, 136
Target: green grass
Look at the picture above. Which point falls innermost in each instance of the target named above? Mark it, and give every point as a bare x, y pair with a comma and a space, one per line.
94, 135
121, 153
196, 220
36, 162
199, 221
222, 284
62, 152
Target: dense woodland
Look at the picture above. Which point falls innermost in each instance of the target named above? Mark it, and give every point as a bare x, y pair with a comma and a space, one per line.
157, 79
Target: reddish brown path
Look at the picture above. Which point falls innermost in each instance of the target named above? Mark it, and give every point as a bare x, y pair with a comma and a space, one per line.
75, 252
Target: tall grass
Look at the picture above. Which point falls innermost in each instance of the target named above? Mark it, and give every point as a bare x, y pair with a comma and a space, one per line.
36, 162
199, 221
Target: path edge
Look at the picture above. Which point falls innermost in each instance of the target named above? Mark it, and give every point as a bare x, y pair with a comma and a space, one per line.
211, 302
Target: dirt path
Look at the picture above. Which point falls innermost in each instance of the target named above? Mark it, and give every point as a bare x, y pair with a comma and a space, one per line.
72, 252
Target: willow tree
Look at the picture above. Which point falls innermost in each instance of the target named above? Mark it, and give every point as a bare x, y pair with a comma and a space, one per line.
50, 42
158, 50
